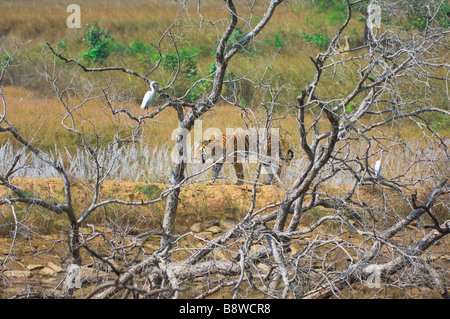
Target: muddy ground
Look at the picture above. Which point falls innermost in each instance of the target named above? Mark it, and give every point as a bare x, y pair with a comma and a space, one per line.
39, 256
36, 261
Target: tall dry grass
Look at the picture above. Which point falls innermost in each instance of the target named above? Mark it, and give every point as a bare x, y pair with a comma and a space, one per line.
39, 119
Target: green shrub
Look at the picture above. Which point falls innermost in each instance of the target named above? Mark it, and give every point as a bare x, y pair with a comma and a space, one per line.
202, 87
278, 41
331, 5
61, 45
236, 36
319, 39
188, 64
337, 17
419, 14
144, 53
335, 10
150, 191
4, 59
99, 43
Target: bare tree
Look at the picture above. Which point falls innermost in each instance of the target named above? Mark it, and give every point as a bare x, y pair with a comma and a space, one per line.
320, 240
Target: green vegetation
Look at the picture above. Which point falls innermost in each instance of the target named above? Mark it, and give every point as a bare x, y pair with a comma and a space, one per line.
150, 191
335, 10
4, 59
421, 14
99, 42
111, 37
320, 39
278, 42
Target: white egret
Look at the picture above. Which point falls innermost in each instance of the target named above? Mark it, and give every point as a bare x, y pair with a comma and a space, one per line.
148, 97
377, 167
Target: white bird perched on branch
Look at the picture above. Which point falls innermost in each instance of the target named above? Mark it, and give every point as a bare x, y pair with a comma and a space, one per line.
148, 97
377, 167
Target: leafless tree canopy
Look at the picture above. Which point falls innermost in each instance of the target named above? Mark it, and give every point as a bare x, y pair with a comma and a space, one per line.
340, 226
